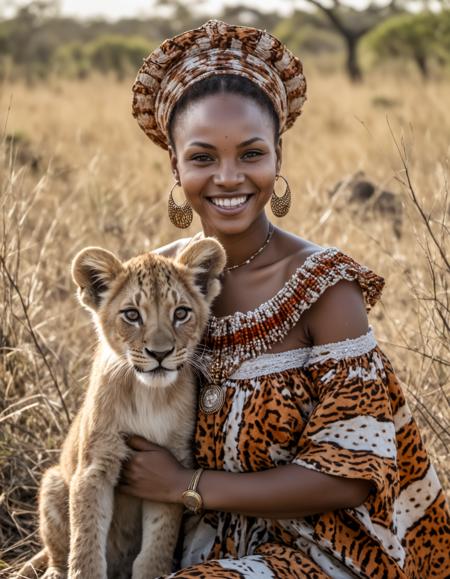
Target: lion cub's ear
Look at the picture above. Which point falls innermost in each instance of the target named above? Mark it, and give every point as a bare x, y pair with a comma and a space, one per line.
206, 258
93, 270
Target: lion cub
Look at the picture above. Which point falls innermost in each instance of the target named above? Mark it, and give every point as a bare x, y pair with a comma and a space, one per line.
150, 313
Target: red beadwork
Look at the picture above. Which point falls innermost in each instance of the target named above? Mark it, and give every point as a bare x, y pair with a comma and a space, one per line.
239, 337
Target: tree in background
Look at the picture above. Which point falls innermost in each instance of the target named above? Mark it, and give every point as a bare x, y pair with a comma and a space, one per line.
347, 22
36, 41
21, 38
422, 38
308, 32
344, 20
352, 25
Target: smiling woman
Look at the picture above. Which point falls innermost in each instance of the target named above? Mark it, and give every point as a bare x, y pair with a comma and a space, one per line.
309, 461
228, 178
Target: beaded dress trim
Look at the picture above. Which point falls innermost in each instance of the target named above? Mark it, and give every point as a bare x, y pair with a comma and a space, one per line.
244, 336
300, 357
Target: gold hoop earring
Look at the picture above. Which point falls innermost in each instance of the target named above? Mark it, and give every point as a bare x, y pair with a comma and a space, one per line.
280, 205
180, 215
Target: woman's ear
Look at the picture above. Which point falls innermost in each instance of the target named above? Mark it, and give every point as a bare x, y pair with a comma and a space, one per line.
279, 154
174, 163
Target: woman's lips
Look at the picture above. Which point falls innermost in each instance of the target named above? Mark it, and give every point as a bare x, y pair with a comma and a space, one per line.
230, 205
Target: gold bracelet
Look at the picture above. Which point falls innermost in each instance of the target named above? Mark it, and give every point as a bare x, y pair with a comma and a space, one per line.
192, 500
195, 478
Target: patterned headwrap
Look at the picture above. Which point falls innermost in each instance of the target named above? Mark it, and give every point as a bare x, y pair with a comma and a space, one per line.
213, 49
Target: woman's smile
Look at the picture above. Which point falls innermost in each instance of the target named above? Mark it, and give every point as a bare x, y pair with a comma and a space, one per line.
230, 204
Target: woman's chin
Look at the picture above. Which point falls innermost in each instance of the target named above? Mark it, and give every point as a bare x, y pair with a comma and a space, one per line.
229, 226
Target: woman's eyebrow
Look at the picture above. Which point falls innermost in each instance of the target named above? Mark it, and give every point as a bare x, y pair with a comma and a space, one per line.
200, 144
250, 141
209, 146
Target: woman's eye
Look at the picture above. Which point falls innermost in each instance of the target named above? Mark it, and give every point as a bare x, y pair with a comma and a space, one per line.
132, 315
201, 158
181, 314
252, 154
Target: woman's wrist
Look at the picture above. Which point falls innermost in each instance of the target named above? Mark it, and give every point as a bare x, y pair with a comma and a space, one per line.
181, 484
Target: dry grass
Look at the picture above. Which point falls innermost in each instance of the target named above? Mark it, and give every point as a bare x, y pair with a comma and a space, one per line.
83, 174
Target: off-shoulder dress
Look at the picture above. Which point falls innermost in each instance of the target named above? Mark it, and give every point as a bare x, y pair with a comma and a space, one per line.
337, 409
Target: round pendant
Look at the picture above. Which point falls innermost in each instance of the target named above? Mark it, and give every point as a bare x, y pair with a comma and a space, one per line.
212, 399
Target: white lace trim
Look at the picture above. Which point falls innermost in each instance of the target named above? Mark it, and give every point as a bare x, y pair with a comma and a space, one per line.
345, 349
271, 363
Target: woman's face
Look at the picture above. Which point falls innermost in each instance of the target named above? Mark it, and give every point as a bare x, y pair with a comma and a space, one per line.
226, 160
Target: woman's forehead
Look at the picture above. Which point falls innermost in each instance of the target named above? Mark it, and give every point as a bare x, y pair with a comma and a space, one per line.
238, 116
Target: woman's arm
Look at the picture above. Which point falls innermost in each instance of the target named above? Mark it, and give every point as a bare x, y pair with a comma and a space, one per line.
288, 491
338, 314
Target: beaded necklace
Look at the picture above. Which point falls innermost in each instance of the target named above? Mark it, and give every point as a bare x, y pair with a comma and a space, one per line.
257, 252
238, 337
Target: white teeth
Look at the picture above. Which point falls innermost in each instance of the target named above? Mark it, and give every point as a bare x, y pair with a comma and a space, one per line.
228, 201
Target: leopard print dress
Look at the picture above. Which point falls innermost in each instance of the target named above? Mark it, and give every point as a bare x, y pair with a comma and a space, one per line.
337, 409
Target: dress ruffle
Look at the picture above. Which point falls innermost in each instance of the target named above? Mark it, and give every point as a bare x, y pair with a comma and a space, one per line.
243, 336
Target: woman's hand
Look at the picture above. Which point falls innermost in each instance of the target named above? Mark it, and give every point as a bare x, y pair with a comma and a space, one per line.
153, 473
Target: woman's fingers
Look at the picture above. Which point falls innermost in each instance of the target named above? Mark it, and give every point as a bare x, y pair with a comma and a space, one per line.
137, 442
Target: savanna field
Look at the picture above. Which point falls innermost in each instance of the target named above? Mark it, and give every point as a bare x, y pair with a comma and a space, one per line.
76, 170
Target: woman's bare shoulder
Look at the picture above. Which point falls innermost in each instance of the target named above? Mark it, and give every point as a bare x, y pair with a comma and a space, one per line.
173, 248
297, 250
339, 313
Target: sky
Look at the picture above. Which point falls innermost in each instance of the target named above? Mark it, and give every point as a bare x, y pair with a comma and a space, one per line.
114, 9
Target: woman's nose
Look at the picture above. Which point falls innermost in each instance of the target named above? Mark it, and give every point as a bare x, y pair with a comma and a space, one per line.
228, 176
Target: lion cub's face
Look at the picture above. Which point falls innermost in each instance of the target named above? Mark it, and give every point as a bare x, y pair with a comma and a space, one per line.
151, 310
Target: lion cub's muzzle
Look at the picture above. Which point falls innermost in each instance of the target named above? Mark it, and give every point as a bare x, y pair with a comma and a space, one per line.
159, 355
162, 366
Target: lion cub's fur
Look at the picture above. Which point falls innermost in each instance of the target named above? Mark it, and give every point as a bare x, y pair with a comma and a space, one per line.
90, 531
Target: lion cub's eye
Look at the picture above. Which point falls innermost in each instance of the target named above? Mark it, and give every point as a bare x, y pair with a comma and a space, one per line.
181, 314
131, 315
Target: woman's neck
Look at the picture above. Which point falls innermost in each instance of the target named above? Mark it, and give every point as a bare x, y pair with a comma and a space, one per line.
240, 246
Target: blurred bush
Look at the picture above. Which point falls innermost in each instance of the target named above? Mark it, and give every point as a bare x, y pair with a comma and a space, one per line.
37, 42
422, 38
120, 55
72, 61
308, 33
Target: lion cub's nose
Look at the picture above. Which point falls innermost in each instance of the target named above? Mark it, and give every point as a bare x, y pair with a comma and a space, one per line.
159, 355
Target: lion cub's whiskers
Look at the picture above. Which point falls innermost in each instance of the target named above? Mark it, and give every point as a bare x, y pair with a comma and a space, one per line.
200, 364
120, 368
